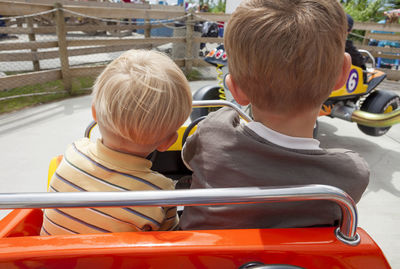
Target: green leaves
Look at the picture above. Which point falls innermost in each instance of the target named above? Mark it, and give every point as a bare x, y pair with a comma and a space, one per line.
364, 10
394, 3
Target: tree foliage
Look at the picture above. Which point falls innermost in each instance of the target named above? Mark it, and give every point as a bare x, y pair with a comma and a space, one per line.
395, 4
219, 6
214, 6
365, 10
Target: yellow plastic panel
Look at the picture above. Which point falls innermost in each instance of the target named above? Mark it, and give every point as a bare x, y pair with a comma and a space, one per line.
354, 84
54, 163
178, 143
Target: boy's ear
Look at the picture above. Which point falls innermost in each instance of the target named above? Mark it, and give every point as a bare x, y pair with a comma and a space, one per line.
94, 113
344, 72
168, 142
236, 91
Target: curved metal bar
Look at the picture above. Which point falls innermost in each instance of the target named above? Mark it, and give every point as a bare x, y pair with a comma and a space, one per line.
369, 56
376, 120
221, 103
193, 197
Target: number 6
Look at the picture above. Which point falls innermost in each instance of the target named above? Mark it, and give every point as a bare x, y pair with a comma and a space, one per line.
352, 82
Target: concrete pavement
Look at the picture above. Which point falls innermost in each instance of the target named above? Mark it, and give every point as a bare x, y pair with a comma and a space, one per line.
31, 137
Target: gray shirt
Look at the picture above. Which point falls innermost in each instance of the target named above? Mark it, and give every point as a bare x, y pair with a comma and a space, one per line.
223, 153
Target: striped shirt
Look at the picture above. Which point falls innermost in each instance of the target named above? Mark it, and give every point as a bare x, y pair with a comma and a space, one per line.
89, 166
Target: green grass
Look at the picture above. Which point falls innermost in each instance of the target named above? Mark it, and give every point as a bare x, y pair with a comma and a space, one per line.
80, 86
193, 75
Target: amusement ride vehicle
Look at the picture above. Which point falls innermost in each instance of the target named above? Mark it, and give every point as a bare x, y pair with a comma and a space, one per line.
345, 246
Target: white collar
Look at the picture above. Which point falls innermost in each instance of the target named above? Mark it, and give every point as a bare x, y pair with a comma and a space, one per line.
282, 140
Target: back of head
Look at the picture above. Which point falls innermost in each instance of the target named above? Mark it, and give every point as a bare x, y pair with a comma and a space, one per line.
142, 96
286, 54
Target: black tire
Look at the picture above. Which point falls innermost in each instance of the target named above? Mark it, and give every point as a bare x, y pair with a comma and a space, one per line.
379, 102
204, 93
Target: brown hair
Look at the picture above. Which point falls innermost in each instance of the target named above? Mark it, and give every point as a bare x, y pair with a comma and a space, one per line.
286, 54
142, 96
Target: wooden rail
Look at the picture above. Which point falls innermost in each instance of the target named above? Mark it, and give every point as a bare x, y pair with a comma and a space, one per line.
101, 4
376, 26
12, 8
83, 28
98, 46
386, 32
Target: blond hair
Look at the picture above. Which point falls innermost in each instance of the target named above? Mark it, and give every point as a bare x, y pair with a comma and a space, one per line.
286, 54
142, 96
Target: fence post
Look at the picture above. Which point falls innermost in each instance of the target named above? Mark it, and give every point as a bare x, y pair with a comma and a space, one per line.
31, 36
147, 31
19, 22
63, 48
366, 38
189, 44
130, 31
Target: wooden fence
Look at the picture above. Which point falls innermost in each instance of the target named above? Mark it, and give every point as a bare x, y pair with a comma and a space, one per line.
390, 32
152, 16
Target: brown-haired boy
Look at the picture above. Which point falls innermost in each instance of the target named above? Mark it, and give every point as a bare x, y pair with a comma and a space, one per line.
285, 58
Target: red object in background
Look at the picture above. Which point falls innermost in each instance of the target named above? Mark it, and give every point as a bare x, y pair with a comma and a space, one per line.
221, 28
395, 11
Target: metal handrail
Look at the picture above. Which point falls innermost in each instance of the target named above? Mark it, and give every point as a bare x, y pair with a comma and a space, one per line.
369, 56
194, 197
377, 120
221, 103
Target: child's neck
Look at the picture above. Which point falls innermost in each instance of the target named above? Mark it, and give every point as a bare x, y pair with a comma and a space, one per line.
117, 143
291, 124
127, 149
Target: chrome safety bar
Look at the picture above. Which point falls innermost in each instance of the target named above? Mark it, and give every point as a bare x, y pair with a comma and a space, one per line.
194, 197
378, 120
221, 103
369, 56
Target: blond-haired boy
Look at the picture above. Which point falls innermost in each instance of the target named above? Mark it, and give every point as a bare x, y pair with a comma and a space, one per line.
285, 58
139, 102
